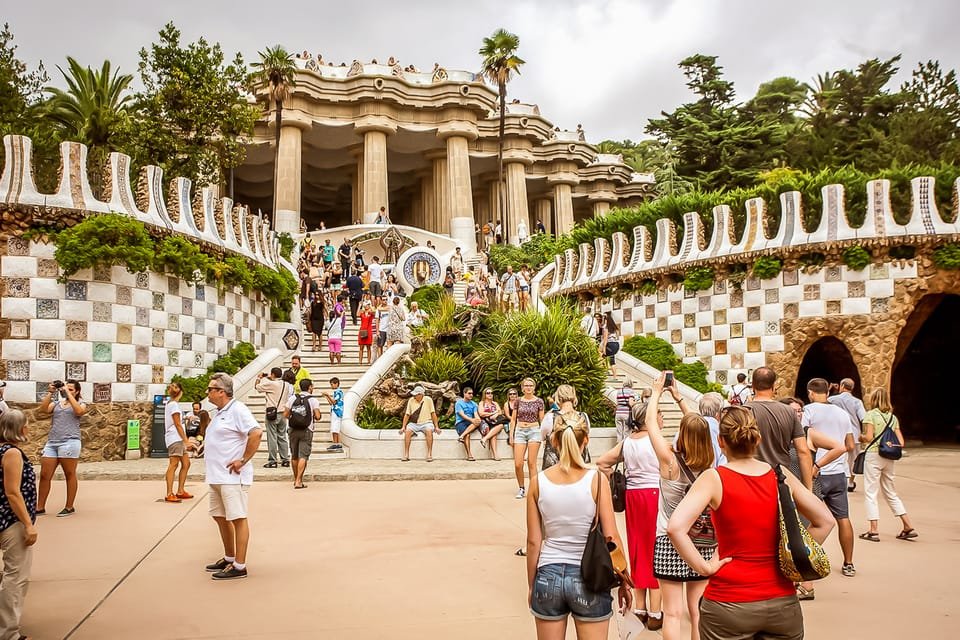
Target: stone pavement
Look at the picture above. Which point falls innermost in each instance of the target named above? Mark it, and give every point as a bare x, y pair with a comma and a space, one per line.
412, 560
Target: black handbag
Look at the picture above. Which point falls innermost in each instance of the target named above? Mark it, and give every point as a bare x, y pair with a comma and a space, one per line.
618, 486
271, 412
596, 566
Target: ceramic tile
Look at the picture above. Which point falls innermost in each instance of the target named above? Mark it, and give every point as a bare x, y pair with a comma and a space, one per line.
102, 392
811, 292
689, 320
856, 289
157, 377
48, 308
124, 373
19, 328
771, 296
753, 345
772, 328
676, 336
143, 317
77, 371
736, 298
173, 322
187, 306
722, 375
201, 291
690, 349
220, 329
102, 352
173, 357
157, 301
48, 268
17, 287
157, 339
18, 246
124, 334
140, 393
211, 345
173, 286
880, 305
790, 277
75, 290
198, 360
833, 308
705, 332
791, 310
831, 274
720, 287
752, 284
124, 294
720, 316
753, 313
48, 351
720, 347
142, 354
18, 370
42, 389
102, 312
736, 330
186, 342
143, 280
211, 312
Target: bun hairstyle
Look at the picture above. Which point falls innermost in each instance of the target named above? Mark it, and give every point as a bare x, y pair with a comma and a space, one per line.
739, 431
569, 434
639, 413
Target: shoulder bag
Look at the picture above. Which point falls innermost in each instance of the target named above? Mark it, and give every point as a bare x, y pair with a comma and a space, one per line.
618, 485
597, 568
800, 557
861, 457
271, 412
702, 531
889, 446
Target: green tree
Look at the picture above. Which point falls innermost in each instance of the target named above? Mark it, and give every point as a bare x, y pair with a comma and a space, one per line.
277, 70
500, 64
193, 112
90, 110
926, 127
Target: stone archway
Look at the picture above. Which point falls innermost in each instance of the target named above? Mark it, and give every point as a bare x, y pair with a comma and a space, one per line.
827, 358
920, 386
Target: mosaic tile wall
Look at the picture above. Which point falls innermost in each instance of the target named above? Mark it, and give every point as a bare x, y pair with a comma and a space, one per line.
732, 330
123, 335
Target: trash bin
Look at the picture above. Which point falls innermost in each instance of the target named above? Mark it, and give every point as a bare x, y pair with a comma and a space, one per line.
158, 444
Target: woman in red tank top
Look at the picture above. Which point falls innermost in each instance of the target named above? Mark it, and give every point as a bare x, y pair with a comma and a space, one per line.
746, 594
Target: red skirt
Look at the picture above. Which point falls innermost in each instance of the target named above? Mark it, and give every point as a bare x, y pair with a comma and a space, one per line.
642, 505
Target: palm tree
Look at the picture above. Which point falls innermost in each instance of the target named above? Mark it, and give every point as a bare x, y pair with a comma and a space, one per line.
277, 69
500, 63
90, 110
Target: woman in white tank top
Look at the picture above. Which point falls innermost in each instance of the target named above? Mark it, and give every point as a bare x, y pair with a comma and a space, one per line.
642, 471
560, 511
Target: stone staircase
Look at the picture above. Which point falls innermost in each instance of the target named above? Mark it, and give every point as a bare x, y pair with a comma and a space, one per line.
318, 364
668, 406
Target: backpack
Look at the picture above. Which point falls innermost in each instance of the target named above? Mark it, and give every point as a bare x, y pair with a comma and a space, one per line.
301, 416
736, 399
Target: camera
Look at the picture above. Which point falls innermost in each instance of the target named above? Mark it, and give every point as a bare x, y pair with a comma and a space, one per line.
58, 384
668, 379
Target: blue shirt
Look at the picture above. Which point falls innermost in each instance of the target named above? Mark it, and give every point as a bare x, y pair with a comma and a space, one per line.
338, 402
328, 252
467, 408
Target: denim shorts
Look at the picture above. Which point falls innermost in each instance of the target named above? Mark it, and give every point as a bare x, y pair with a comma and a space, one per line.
525, 435
68, 449
558, 591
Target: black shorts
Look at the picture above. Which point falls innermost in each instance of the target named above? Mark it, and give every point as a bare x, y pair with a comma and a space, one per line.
381, 339
834, 488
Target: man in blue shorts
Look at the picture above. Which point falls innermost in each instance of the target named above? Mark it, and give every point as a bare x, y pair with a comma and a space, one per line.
468, 420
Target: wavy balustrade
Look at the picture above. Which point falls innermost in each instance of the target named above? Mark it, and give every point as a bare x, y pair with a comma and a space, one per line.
595, 267
204, 218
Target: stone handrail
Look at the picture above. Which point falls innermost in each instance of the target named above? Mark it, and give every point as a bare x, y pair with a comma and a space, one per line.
659, 254
357, 68
198, 216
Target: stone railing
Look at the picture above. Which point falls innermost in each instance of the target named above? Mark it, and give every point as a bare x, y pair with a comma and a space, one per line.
201, 216
604, 264
357, 68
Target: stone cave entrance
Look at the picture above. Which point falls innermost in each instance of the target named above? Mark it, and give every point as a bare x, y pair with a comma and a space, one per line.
827, 358
922, 384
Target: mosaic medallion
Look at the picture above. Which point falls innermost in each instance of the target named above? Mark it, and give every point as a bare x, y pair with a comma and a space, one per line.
124, 334
198, 360
48, 309
143, 317
421, 268
102, 392
173, 357
47, 268
187, 309
47, 350
157, 301
75, 290
140, 392
19, 328
157, 337
292, 339
157, 374
17, 246
143, 280
102, 312
173, 322
186, 342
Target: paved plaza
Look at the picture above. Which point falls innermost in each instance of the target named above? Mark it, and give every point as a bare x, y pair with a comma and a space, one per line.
411, 559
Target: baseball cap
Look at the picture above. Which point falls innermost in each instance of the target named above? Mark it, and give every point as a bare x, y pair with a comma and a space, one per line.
418, 390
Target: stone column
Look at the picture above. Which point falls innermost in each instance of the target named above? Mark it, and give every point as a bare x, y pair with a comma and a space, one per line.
357, 190
461, 194
563, 205
441, 196
428, 200
544, 213
375, 190
288, 174
494, 198
516, 201
600, 208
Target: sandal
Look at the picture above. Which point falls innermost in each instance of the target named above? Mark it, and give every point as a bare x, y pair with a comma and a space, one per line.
429, 459
483, 443
471, 459
404, 459
907, 534
870, 536
520, 552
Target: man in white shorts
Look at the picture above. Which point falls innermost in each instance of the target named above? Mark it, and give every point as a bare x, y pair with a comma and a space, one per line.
233, 436
419, 417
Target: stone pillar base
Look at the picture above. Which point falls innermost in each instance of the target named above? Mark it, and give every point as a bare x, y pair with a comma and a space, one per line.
286, 221
131, 454
463, 233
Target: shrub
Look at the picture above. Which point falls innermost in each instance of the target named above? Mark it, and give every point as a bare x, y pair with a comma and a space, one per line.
370, 416
766, 267
856, 258
736, 275
195, 387
182, 258
648, 287
903, 252
436, 366
947, 257
550, 348
539, 249
278, 286
104, 240
694, 374
698, 279
654, 351
441, 324
286, 245
811, 261
428, 297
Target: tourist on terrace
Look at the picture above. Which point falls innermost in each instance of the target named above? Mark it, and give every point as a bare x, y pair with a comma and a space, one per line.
495, 420
359, 263
335, 326
878, 471
456, 263
642, 471
525, 427
564, 502
329, 252
467, 420
680, 463
63, 442
522, 232
382, 217
175, 438
449, 281
854, 408
626, 399
275, 392
540, 227
18, 516
498, 232
344, 252
367, 330
833, 422
749, 597
398, 323
420, 416
233, 438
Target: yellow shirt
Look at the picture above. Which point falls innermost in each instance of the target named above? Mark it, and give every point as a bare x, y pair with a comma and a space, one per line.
427, 412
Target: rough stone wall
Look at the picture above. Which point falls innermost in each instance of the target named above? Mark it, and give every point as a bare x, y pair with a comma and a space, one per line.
103, 429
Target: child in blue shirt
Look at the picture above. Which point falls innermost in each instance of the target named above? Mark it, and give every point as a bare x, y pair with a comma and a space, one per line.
336, 413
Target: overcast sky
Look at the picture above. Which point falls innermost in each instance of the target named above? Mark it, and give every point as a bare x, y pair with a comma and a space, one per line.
609, 64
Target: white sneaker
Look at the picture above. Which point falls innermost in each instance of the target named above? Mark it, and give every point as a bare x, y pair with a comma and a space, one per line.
522, 493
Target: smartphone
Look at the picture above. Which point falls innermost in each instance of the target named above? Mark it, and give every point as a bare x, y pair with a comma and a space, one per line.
668, 379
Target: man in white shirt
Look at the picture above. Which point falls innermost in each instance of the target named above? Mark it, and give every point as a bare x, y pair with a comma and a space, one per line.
511, 289
375, 269
303, 413
833, 422
740, 393
415, 316
854, 408
233, 436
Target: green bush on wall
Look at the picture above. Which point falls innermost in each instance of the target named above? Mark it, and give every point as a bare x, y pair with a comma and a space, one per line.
287, 244
698, 279
660, 355
947, 257
766, 267
104, 240
195, 388
370, 416
856, 258
428, 297
648, 287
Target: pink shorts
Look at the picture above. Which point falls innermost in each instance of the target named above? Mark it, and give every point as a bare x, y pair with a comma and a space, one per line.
334, 344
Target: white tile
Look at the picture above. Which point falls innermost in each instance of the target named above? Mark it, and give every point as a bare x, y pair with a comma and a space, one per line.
141, 373
171, 340
230, 332
20, 391
18, 266
689, 305
101, 292
753, 298
158, 355
811, 308
221, 314
737, 345
124, 353
125, 392
721, 331
71, 351
720, 301
879, 288
47, 370
704, 318
772, 311
833, 290
158, 319
101, 372
76, 310
649, 325
771, 344
120, 276
753, 328
690, 335
661, 309
141, 298
102, 332
48, 329
704, 348
791, 294
42, 249
18, 308
141, 335
675, 322
124, 314
852, 306
909, 270
721, 362
736, 314
46, 288
849, 275
19, 349
187, 323
815, 277
752, 361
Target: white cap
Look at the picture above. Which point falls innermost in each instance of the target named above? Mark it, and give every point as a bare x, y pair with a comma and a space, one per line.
418, 390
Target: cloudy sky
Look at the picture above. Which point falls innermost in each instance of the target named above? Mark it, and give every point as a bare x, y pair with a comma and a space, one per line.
609, 64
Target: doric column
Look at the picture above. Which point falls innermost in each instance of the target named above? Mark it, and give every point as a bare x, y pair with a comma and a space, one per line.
374, 188
563, 205
461, 194
441, 195
600, 208
516, 201
494, 197
356, 210
288, 172
428, 200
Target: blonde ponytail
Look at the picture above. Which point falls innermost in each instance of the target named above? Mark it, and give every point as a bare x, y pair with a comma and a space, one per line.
569, 434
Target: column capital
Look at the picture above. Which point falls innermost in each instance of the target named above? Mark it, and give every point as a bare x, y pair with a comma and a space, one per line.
460, 128
375, 123
563, 177
290, 118
436, 154
518, 156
